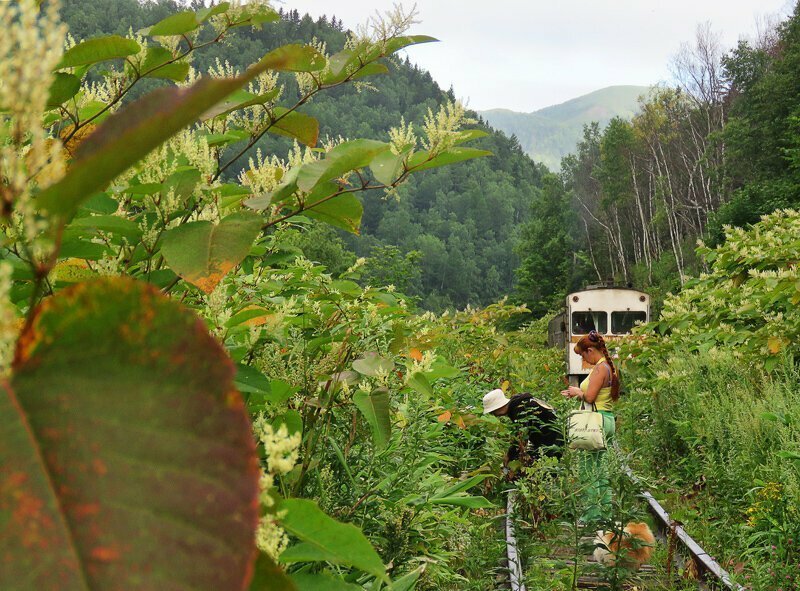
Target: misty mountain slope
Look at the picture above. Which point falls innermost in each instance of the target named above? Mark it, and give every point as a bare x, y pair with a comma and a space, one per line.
550, 133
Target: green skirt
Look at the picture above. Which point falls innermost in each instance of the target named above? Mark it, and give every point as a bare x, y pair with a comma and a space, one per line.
594, 477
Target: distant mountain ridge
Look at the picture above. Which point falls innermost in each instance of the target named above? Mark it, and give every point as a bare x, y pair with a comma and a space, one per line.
551, 133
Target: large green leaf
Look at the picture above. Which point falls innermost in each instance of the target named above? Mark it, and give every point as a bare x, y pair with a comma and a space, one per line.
372, 69
372, 364
63, 88
175, 24
375, 407
420, 161
129, 135
343, 158
387, 167
420, 383
125, 453
398, 43
203, 252
343, 211
343, 542
296, 125
294, 58
158, 63
98, 49
409, 581
304, 552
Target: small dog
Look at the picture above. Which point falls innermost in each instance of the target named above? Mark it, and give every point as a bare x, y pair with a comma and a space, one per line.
635, 548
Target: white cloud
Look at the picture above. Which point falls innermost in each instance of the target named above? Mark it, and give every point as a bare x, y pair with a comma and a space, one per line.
527, 54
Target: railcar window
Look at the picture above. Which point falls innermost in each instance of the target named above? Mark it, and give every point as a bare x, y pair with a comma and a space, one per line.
583, 322
623, 322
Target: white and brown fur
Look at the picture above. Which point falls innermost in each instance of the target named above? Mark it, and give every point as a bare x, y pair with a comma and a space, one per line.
634, 549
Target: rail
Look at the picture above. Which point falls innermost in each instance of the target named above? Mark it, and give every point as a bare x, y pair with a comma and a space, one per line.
515, 575
705, 563
709, 570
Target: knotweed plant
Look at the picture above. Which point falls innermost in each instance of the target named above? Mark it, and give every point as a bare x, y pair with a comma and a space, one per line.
117, 213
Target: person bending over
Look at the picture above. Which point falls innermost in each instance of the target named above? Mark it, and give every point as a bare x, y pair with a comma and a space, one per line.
539, 433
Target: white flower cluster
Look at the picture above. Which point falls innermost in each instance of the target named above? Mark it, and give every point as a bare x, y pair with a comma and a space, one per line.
255, 118
441, 129
382, 27
282, 449
423, 365
262, 175
218, 309
307, 81
30, 47
402, 138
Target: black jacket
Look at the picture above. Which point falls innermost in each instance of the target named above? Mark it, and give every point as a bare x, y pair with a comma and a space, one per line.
540, 433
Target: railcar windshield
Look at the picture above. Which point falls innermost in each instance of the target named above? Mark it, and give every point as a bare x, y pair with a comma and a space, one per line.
583, 322
623, 322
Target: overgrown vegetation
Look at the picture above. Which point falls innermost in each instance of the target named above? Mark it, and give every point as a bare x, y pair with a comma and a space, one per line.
714, 401
154, 268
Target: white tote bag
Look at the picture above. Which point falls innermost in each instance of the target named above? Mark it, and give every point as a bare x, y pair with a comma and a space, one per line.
585, 430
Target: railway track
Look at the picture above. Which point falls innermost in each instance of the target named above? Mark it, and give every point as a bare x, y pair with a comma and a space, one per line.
687, 555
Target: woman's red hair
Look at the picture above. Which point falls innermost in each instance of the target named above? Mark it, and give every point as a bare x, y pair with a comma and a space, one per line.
595, 340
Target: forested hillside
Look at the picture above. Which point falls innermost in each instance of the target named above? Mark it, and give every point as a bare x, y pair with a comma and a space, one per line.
719, 148
549, 134
447, 237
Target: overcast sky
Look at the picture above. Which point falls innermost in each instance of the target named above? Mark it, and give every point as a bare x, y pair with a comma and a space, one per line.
528, 54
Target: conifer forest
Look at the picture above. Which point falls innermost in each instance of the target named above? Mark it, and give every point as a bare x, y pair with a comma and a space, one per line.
258, 272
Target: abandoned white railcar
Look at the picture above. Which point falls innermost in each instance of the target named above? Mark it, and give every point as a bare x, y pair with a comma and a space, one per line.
611, 311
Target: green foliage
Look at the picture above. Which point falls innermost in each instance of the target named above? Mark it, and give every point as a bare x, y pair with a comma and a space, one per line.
747, 303
713, 398
761, 133
548, 269
135, 194
202, 252
334, 542
464, 222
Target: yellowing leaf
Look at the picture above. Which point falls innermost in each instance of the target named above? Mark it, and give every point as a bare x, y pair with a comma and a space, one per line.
444, 417
774, 344
71, 271
415, 354
504, 386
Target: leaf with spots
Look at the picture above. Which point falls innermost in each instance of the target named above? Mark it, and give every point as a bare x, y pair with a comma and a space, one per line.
126, 459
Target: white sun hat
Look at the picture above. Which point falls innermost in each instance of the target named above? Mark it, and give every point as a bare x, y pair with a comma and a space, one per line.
494, 400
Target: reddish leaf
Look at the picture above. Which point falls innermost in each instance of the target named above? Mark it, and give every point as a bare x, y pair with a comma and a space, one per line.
126, 459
